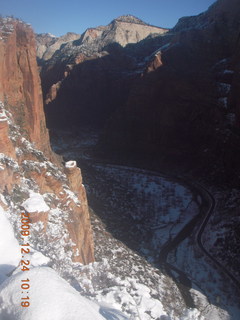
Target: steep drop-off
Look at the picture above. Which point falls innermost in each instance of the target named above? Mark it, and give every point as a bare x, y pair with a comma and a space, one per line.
185, 111
88, 78
169, 101
170, 97
20, 86
53, 196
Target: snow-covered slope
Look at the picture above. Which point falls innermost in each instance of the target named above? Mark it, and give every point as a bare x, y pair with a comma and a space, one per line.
9, 247
54, 197
147, 212
48, 296
51, 298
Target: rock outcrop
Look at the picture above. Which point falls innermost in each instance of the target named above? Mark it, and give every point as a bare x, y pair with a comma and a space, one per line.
101, 51
20, 85
47, 44
183, 110
171, 96
122, 30
31, 175
44, 41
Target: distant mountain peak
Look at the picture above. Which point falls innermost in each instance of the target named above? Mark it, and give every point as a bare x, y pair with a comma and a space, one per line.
130, 19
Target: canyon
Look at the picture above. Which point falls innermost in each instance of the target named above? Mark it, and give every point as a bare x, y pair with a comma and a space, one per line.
171, 97
167, 102
151, 115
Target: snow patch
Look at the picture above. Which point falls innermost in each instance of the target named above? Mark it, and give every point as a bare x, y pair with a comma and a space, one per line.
223, 102
71, 164
223, 88
9, 247
3, 116
51, 298
35, 203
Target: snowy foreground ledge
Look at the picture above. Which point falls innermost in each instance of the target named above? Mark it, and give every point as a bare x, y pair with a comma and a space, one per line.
51, 298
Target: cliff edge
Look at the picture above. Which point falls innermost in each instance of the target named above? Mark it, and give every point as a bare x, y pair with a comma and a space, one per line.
31, 177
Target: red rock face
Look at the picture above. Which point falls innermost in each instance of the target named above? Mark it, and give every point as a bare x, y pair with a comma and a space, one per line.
20, 90
155, 63
90, 73
6, 145
20, 83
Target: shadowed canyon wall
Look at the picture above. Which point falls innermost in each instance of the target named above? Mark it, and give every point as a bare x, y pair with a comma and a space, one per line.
171, 97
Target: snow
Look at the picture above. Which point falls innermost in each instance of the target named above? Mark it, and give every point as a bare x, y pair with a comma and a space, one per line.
3, 116
36, 258
141, 303
35, 203
110, 284
51, 35
227, 71
205, 278
50, 297
9, 247
164, 47
223, 102
224, 88
120, 277
9, 162
72, 196
2, 198
165, 206
71, 164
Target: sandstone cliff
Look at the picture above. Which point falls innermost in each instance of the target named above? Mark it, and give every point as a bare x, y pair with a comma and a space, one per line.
20, 85
122, 30
47, 44
28, 177
99, 58
170, 97
183, 109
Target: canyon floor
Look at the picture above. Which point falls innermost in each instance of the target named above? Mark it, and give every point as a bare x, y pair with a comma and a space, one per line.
153, 253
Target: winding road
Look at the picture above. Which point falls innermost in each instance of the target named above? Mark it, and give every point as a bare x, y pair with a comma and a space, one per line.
207, 207
198, 224
201, 229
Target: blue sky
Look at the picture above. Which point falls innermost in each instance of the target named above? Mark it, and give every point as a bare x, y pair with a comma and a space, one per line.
58, 17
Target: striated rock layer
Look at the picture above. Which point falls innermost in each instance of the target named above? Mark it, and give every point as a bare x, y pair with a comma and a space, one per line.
85, 78
171, 97
27, 172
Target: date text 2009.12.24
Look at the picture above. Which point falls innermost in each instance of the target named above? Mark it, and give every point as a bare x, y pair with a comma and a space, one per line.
25, 263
